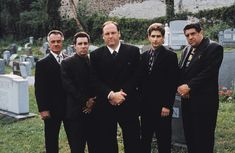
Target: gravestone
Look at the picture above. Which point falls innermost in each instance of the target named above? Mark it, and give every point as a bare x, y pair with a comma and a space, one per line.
14, 95
31, 60
13, 48
177, 124
45, 48
31, 40
2, 66
6, 56
227, 71
227, 38
177, 38
70, 50
28, 48
16, 67
22, 58
25, 69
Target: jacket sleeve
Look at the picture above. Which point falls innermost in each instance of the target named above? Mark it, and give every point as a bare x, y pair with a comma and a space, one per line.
172, 78
40, 85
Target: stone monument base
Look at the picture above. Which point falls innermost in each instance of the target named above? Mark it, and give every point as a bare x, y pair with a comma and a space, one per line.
17, 116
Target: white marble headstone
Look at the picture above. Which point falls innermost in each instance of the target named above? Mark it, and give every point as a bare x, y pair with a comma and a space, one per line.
14, 96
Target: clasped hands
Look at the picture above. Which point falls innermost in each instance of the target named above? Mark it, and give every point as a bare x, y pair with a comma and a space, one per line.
183, 90
117, 98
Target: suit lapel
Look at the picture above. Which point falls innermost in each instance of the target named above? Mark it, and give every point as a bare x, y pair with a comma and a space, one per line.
53, 60
184, 56
159, 57
198, 52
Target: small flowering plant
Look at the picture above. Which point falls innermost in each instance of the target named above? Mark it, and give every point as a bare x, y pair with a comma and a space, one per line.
225, 94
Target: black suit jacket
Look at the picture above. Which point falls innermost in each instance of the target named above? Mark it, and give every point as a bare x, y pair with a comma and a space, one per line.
158, 88
202, 75
76, 80
49, 92
116, 74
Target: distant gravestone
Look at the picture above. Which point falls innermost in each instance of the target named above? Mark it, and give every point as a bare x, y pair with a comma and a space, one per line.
45, 48
227, 38
13, 48
25, 69
6, 56
70, 50
28, 48
14, 95
31, 40
2, 66
22, 58
177, 38
16, 67
227, 71
31, 60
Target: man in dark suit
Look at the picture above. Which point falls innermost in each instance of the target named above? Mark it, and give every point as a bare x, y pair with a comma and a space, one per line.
199, 68
76, 81
117, 98
158, 82
50, 94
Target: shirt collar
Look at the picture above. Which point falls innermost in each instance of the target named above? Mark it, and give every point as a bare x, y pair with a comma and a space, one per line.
116, 49
56, 55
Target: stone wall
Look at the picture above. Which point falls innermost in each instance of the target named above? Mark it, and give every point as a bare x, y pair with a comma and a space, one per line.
104, 6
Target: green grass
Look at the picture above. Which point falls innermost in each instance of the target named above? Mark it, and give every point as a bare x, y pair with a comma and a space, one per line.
27, 136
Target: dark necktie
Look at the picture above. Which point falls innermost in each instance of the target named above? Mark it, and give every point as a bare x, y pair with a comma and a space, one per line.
114, 54
151, 60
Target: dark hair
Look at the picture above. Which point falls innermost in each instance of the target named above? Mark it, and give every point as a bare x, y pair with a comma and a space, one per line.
55, 32
80, 34
111, 22
195, 25
156, 27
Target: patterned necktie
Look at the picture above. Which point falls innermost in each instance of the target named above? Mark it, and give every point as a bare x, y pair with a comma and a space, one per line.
59, 59
151, 60
190, 56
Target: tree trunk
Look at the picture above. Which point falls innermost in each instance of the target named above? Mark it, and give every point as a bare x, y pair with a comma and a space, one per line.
74, 11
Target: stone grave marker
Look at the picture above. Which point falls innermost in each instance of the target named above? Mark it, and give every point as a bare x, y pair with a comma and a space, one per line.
2, 66
227, 71
177, 38
227, 37
14, 95
6, 56
25, 69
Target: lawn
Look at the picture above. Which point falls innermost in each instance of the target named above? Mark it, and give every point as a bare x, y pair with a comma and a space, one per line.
26, 136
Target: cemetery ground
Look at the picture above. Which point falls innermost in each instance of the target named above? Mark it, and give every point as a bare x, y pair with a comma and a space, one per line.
26, 136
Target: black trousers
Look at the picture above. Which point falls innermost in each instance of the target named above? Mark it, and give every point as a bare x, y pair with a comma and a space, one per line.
73, 132
89, 134
107, 130
199, 129
161, 126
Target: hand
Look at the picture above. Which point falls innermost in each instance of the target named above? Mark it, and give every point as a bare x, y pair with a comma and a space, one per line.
117, 98
165, 112
89, 105
183, 90
45, 115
